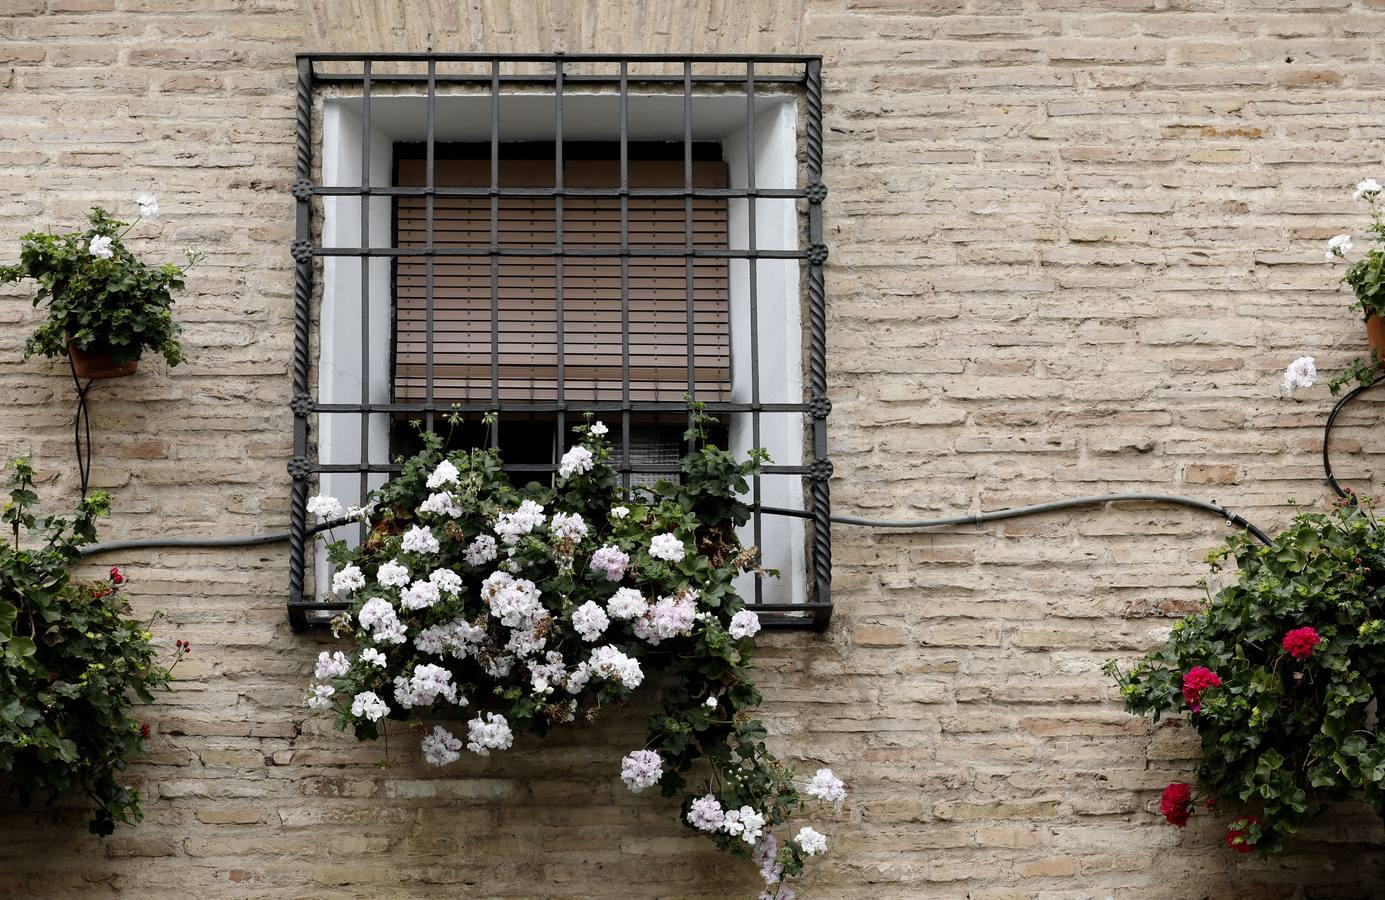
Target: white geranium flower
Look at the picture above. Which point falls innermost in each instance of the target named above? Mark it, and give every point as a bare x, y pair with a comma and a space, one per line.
1300, 374
1338, 246
619, 512
745, 822
419, 595
441, 747
441, 504
368, 705
100, 247
576, 461
706, 813
641, 769
710, 703
331, 665
373, 657
321, 697
828, 787
1367, 189
348, 580
744, 624
148, 206
491, 733
627, 603
325, 507
812, 842
568, 527
392, 574
667, 547
445, 473
480, 551
448, 581
599, 428
590, 620
419, 539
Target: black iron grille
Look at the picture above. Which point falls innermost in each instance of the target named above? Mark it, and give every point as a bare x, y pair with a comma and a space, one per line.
378, 85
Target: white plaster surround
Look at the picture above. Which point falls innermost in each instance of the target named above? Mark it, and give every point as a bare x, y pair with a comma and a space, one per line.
591, 116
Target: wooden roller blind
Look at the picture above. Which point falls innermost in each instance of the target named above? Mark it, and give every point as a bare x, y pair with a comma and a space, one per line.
527, 291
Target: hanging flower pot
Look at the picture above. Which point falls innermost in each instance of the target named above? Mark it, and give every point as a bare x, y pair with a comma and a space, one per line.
98, 362
1375, 336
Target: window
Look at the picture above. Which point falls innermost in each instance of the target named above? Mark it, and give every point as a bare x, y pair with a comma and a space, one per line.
546, 236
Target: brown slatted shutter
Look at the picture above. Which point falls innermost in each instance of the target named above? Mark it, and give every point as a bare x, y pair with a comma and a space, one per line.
527, 294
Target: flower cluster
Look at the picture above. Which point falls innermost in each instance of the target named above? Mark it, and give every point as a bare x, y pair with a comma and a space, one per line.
1278, 677
545, 605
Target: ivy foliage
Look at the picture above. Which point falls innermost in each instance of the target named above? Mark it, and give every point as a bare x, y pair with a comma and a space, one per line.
72, 663
1283, 736
118, 305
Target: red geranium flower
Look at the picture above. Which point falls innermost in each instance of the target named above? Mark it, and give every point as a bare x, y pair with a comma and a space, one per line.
1301, 642
1238, 835
116, 577
144, 729
1176, 803
1197, 680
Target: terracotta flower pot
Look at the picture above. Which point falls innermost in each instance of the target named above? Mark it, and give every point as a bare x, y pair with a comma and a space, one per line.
96, 363
1375, 336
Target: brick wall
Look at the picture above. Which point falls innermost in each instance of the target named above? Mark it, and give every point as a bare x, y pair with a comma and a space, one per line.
1073, 245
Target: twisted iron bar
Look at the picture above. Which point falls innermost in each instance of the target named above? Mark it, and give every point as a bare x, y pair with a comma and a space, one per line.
81, 428
302, 312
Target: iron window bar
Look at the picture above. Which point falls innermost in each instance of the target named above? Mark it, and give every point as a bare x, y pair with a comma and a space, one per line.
750, 72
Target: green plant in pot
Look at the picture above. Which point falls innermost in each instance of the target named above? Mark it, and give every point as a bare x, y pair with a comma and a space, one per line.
1366, 276
105, 306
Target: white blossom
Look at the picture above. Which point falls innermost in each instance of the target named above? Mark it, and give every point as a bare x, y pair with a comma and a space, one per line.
611, 562
626, 603
1338, 246
458, 638
441, 504
1368, 189
706, 813
419, 595
392, 574
100, 247
568, 527
424, 686
419, 539
445, 473
373, 657
369, 706
515, 602
325, 507
361, 513
321, 697
744, 624
576, 461
745, 822
148, 206
812, 842
1301, 373
641, 769
764, 855
490, 733
349, 580
599, 428
609, 662
480, 551
590, 620
667, 547
828, 787
512, 526
379, 618
448, 581
710, 703
333, 665
619, 512
441, 747
669, 617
